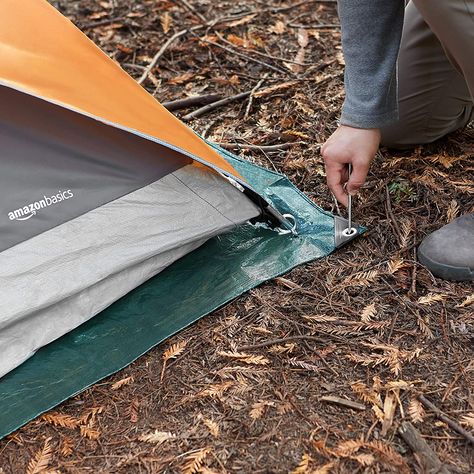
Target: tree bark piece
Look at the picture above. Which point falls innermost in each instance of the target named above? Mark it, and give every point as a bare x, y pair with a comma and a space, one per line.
427, 457
191, 102
343, 402
207, 108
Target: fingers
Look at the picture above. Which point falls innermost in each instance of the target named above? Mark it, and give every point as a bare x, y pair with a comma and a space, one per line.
336, 176
360, 168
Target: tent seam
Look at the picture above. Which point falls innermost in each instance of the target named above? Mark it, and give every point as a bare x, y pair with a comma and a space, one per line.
205, 200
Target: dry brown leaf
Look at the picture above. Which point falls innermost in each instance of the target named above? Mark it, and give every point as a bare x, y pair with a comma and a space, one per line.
257, 410
216, 390
41, 459
303, 466
389, 455
468, 420
431, 298
166, 21
67, 446
133, 410
181, 79
395, 264
349, 447
303, 38
89, 432
278, 28
57, 419
364, 459
368, 313
416, 410
90, 415
156, 437
242, 21
467, 302
325, 469
195, 461
212, 426
276, 88
175, 350
453, 211
246, 358
121, 383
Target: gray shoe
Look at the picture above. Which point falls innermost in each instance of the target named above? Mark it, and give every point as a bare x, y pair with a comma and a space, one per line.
449, 252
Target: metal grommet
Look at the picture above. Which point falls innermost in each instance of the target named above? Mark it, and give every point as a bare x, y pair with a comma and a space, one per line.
349, 232
291, 219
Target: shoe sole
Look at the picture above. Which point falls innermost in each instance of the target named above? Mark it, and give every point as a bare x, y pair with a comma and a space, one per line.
446, 272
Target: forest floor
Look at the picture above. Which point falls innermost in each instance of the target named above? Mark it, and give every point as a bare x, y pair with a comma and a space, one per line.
389, 331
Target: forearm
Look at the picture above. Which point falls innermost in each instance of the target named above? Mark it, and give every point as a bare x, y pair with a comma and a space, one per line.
371, 33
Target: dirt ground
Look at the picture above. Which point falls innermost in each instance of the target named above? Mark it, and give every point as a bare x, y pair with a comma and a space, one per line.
382, 331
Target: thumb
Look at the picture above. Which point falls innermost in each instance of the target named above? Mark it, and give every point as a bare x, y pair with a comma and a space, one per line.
360, 168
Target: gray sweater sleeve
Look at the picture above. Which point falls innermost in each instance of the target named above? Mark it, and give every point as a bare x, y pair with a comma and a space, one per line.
371, 33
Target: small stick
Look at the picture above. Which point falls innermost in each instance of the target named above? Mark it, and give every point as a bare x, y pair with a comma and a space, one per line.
272, 342
252, 92
207, 108
296, 5
245, 56
189, 7
243, 146
160, 53
447, 420
428, 458
343, 402
191, 101
96, 24
313, 27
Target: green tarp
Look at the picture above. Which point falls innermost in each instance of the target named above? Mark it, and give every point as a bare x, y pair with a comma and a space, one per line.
222, 269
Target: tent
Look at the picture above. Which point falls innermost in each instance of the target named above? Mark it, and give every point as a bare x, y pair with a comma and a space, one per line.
102, 189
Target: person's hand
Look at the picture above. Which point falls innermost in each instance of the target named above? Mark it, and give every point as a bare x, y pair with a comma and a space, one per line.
349, 145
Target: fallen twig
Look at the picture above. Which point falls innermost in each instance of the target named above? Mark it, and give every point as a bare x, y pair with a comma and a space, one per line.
244, 146
252, 92
343, 402
427, 457
313, 27
189, 7
296, 5
282, 340
207, 108
158, 55
245, 56
191, 101
446, 419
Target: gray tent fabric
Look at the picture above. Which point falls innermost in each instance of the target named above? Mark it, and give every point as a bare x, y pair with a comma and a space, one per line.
59, 279
57, 164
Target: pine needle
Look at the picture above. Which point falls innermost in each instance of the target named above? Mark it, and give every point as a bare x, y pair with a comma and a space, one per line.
416, 410
368, 313
303, 466
41, 459
195, 461
57, 419
246, 358
468, 301
431, 298
172, 352
121, 383
67, 447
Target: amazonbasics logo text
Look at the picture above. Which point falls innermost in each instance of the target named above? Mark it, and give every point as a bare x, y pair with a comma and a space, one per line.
26, 212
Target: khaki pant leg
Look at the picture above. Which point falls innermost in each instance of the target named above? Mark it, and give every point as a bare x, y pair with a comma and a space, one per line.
435, 70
